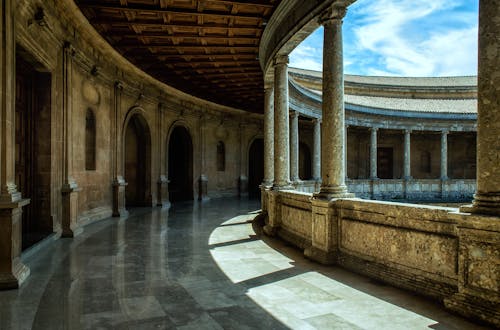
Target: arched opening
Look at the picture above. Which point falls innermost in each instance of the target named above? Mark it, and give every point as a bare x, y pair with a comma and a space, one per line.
33, 149
180, 165
304, 162
255, 168
90, 141
137, 162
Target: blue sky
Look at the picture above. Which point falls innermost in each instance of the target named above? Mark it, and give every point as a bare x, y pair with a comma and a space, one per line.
402, 38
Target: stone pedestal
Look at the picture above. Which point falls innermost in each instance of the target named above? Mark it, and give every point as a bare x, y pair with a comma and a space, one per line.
119, 209
162, 187
243, 186
273, 213
324, 243
69, 224
203, 188
478, 269
12, 271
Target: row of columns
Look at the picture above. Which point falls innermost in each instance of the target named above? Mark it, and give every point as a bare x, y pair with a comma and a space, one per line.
332, 136
407, 154
329, 136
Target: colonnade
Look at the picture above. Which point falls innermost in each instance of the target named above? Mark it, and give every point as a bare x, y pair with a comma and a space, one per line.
330, 140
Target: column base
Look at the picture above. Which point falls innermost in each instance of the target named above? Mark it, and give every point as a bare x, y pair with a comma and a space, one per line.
283, 186
203, 188
326, 193
119, 210
318, 255
163, 199
488, 204
70, 226
474, 307
270, 230
14, 279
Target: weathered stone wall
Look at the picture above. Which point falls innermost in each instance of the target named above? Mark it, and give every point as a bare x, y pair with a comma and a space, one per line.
433, 251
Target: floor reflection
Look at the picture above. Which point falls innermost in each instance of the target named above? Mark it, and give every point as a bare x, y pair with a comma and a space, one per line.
197, 266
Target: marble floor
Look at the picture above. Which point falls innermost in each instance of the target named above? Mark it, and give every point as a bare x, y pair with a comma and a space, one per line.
201, 266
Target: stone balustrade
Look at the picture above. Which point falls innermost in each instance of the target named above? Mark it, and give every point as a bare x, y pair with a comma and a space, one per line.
434, 251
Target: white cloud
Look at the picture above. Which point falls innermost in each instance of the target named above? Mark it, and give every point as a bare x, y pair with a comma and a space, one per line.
398, 33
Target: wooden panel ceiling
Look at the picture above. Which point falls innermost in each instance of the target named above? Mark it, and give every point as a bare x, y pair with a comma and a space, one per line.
207, 48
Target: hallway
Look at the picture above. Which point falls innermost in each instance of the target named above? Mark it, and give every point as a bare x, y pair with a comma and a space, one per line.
201, 266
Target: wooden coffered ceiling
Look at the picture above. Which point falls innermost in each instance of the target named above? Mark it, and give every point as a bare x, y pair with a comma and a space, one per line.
207, 48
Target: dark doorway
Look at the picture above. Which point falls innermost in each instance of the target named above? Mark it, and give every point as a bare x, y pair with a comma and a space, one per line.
304, 162
138, 162
255, 168
180, 165
385, 163
33, 149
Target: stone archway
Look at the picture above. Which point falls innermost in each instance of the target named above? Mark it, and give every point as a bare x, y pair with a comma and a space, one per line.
255, 168
180, 165
33, 148
137, 156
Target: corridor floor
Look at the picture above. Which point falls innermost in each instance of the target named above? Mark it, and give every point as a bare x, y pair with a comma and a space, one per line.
201, 266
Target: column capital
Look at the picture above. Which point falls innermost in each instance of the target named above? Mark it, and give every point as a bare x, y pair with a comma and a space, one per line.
407, 130
445, 132
118, 85
316, 121
374, 129
69, 48
332, 14
294, 114
281, 59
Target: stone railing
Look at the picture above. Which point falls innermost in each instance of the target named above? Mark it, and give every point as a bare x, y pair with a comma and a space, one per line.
452, 190
435, 251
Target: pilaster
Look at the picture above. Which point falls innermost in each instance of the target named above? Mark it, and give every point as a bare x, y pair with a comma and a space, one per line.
118, 183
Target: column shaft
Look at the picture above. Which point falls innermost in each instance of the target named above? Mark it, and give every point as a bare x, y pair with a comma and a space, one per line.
294, 146
407, 156
373, 152
281, 125
444, 155
317, 150
269, 136
333, 129
487, 198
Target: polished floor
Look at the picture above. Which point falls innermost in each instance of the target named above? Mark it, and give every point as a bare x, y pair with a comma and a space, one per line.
201, 266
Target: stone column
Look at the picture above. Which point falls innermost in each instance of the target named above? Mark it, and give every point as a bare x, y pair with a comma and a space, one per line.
294, 146
373, 153
444, 155
333, 127
407, 156
487, 197
118, 183
243, 161
281, 127
12, 271
316, 170
69, 189
269, 137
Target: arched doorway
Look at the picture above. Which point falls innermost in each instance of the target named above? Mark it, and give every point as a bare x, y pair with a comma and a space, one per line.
255, 168
180, 165
138, 162
304, 162
33, 148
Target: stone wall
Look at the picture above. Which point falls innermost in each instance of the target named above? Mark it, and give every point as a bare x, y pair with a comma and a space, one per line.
434, 251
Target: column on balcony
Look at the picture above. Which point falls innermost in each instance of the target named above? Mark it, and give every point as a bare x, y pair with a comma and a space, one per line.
407, 155
316, 170
373, 153
281, 125
333, 146
294, 146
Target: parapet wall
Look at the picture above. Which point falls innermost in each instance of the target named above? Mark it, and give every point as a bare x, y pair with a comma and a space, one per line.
435, 251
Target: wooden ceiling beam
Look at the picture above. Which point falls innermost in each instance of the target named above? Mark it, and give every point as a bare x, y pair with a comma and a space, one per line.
135, 45
150, 10
256, 3
148, 23
180, 36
